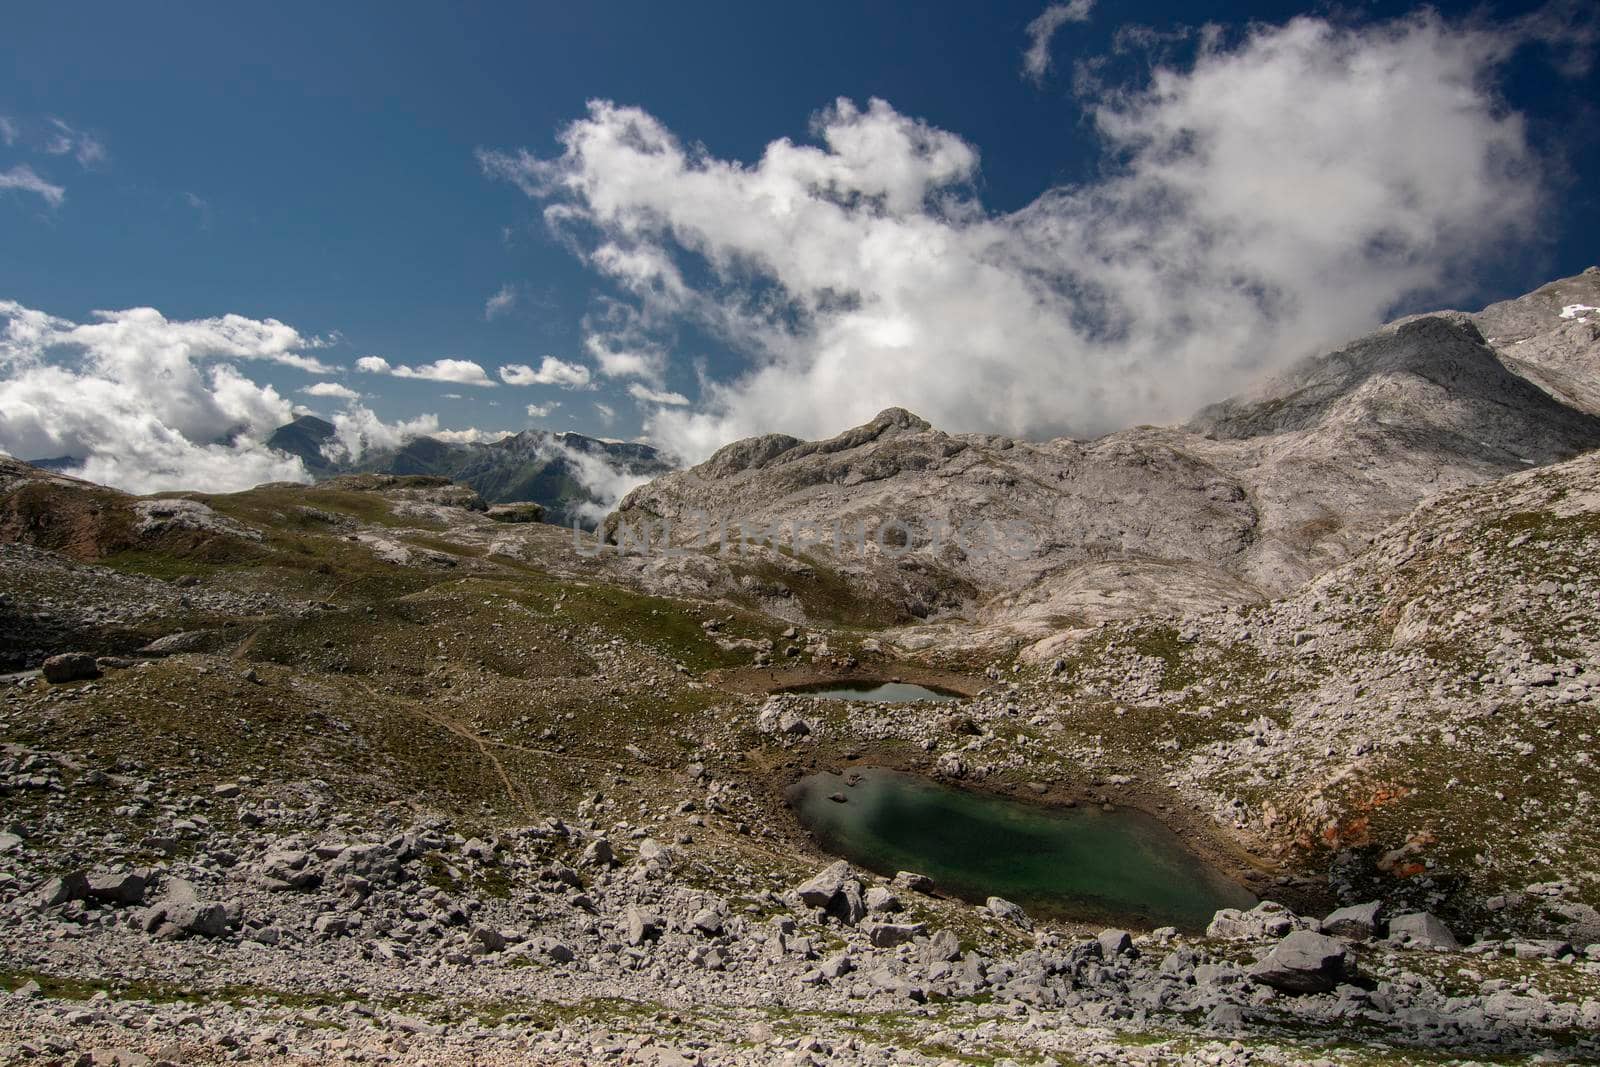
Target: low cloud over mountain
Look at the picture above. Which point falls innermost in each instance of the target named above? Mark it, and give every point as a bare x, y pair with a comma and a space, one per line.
1270, 196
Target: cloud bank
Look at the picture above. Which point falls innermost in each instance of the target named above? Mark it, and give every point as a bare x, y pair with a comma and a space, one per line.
144, 403
604, 481
1265, 200
358, 430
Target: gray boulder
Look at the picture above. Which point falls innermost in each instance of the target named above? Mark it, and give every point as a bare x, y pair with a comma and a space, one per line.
598, 853
942, 947
559, 951
1302, 962
1006, 911
330, 924
285, 869
640, 926
488, 938
888, 935
792, 724
58, 891
70, 667
1358, 922
819, 890
887, 980
880, 901
914, 882
1114, 943
1266, 919
849, 907
837, 965
124, 887
837, 891
1226, 1018
707, 921
192, 918
1541, 950
382, 864
188, 641
1422, 929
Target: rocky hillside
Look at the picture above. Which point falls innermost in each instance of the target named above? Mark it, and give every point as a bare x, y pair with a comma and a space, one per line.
1420, 720
360, 773
1250, 500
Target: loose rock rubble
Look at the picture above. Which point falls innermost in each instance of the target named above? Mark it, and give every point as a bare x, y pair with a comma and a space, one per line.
365, 950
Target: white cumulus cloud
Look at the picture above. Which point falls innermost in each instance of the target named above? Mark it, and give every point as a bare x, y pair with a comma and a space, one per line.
543, 411
625, 356
458, 371
331, 389
552, 371
1262, 201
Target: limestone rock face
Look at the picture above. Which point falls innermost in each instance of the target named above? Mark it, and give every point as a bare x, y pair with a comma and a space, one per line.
1552, 338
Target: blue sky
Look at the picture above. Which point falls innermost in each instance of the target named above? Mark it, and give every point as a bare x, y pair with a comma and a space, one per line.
323, 165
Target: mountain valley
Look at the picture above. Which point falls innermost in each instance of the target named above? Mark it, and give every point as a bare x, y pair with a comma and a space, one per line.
365, 770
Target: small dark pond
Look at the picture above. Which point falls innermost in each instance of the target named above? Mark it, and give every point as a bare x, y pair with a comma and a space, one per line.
881, 692
1071, 863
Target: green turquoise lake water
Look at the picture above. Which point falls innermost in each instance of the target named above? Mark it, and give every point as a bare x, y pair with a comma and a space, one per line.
881, 692
1079, 863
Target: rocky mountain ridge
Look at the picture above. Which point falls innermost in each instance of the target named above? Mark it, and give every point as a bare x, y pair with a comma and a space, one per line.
1251, 499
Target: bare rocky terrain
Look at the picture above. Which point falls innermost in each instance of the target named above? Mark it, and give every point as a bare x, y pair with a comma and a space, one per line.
365, 772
